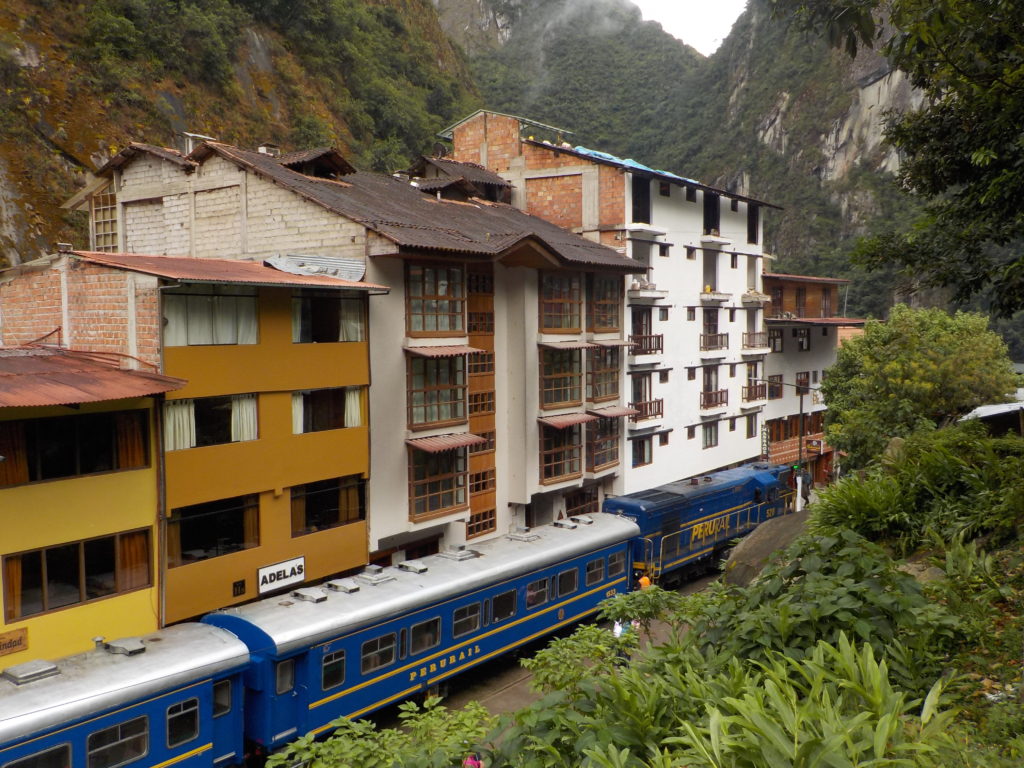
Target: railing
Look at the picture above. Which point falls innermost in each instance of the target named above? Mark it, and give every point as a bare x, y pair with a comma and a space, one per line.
649, 409
714, 340
715, 399
753, 339
649, 344
755, 392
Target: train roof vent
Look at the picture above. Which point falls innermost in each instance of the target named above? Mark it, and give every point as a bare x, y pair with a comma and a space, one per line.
129, 646
309, 595
373, 574
582, 519
523, 534
565, 524
459, 552
412, 566
30, 671
342, 585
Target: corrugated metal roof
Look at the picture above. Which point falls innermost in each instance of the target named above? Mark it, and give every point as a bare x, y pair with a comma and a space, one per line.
439, 443
814, 321
192, 270
459, 170
127, 154
806, 278
566, 420
567, 344
34, 377
612, 342
613, 411
449, 351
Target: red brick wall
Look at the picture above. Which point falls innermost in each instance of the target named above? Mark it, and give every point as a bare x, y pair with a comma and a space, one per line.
499, 133
559, 199
612, 193
29, 307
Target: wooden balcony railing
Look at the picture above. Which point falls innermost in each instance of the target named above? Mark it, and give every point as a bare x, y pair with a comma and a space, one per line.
649, 409
714, 340
650, 344
754, 339
755, 392
715, 399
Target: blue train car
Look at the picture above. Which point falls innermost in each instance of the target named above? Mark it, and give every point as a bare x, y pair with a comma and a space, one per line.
353, 645
686, 524
173, 697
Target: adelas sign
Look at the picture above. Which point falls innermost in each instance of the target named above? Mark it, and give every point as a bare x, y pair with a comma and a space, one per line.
279, 575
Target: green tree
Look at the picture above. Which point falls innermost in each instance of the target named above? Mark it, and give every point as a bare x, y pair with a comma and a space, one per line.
921, 368
962, 150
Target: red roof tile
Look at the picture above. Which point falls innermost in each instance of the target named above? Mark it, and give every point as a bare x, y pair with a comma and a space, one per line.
566, 420
449, 351
613, 411
439, 443
567, 344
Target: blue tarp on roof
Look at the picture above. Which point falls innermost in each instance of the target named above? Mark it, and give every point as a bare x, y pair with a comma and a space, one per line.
630, 164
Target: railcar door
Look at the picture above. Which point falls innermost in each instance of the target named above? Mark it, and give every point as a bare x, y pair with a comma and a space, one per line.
288, 700
228, 719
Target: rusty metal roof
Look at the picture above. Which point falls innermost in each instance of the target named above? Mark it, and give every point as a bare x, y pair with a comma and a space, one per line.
327, 158
439, 443
613, 411
187, 269
449, 351
38, 376
455, 169
566, 420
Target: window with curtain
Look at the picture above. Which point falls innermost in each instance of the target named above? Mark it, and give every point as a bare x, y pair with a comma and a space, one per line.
328, 316
43, 580
316, 410
204, 315
435, 299
604, 303
214, 528
560, 301
202, 421
328, 504
68, 446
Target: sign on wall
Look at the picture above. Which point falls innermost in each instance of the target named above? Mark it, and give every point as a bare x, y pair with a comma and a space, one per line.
283, 574
14, 641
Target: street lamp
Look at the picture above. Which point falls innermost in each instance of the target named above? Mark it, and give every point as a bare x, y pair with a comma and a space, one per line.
802, 389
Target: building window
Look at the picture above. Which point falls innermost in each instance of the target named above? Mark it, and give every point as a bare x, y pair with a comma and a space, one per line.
561, 453
594, 572
56, 757
803, 382
567, 582
206, 315
559, 302
583, 501
663, 314
480, 280
332, 670
481, 362
641, 199
377, 653
46, 579
734, 259
481, 403
316, 410
182, 722
560, 377
328, 316
536, 593
482, 522
732, 424
663, 249
712, 212
486, 446
801, 302
691, 252
691, 194
663, 438
118, 744
751, 425
691, 313
814, 377
775, 339
709, 435
503, 606
104, 220
425, 635
664, 189
69, 446
215, 528
221, 698
603, 374
643, 451
602, 444
691, 432
435, 300
328, 503
605, 305
803, 339
437, 390
437, 482
663, 377
826, 302
480, 482
753, 222
466, 620
775, 387
480, 322
202, 421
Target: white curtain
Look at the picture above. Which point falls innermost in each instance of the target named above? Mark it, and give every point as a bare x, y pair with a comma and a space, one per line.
297, 414
353, 406
243, 418
296, 320
248, 322
351, 325
200, 319
176, 320
179, 425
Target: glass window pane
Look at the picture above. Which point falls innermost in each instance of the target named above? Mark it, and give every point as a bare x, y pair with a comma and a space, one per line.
182, 722
63, 585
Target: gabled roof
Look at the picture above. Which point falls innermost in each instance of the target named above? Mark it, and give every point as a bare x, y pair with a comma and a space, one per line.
134, 149
325, 157
44, 376
455, 169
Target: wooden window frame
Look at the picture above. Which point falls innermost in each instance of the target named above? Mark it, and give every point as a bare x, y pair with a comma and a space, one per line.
481, 403
709, 435
420, 280
561, 454
103, 216
560, 298
561, 374
604, 303
347, 487
481, 522
482, 481
488, 446
603, 438
583, 501
641, 456
604, 369
437, 393
480, 363
428, 488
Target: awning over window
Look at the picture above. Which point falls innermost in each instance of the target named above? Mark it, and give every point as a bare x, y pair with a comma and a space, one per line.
612, 342
567, 345
613, 411
566, 420
439, 443
452, 351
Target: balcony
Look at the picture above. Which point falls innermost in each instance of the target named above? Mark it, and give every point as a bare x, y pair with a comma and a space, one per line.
717, 398
711, 295
714, 341
755, 392
755, 339
649, 409
648, 344
754, 298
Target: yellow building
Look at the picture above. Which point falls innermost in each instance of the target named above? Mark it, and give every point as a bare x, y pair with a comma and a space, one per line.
78, 501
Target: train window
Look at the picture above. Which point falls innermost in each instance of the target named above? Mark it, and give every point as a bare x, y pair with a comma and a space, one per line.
466, 620
285, 674
332, 673
425, 635
536, 593
57, 757
503, 606
119, 744
567, 582
378, 653
595, 572
221, 698
182, 722
616, 563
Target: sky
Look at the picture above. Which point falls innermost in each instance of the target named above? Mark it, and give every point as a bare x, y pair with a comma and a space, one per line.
702, 24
